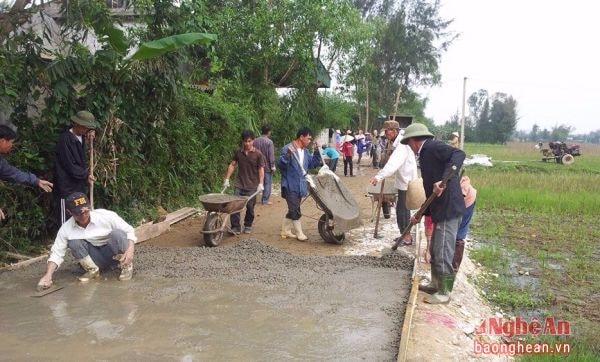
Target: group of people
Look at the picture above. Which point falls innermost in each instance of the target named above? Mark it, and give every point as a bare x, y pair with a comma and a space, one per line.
255, 160
101, 240
98, 239
449, 214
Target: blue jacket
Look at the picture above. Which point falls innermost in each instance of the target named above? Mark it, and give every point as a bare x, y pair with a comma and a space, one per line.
292, 178
9, 172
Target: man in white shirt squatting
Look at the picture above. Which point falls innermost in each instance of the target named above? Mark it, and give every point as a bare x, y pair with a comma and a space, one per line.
98, 240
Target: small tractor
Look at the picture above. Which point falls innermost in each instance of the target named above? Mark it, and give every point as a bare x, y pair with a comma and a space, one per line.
559, 152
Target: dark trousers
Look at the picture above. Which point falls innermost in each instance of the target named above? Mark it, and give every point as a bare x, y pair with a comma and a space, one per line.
402, 213
293, 200
101, 255
249, 217
332, 164
347, 161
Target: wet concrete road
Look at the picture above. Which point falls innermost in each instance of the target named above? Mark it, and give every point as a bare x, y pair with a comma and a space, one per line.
248, 301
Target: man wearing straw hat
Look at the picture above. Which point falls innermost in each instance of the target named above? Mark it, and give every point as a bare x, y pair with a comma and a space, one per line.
436, 159
403, 165
70, 163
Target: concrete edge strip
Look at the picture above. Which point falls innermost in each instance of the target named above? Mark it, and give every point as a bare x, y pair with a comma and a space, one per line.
143, 232
412, 303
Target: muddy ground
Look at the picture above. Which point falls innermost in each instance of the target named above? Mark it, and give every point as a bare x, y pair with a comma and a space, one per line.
254, 297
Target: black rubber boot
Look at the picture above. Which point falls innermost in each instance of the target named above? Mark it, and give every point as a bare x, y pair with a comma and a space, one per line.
385, 207
458, 254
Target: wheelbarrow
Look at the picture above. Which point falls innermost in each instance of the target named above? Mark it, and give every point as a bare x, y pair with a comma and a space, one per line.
340, 210
220, 207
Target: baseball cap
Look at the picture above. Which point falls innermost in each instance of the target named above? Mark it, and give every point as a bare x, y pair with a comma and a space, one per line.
76, 203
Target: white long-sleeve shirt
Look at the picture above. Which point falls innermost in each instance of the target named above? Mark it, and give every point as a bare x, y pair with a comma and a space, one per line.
402, 164
97, 232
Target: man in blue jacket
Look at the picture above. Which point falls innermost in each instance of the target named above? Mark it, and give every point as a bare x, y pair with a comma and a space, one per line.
294, 161
436, 159
9, 172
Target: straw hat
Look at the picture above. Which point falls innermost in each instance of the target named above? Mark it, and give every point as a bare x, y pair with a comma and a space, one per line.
455, 134
348, 138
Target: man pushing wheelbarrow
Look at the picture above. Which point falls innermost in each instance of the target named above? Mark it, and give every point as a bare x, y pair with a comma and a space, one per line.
249, 182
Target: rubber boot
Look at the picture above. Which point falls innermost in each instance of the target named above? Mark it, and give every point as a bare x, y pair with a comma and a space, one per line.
286, 229
433, 286
298, 228
385, 207
91, 269
443, 294
458, 254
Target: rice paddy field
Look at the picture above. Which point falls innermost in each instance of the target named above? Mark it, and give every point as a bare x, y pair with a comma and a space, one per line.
537, 226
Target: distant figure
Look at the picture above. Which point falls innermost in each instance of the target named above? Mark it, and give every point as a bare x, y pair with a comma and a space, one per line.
333, 155
347, 150
265, 146
9, 172
455, 140
360, 145
470, 195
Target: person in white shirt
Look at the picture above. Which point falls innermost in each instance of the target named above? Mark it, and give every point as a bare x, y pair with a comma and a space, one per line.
98, 239
403, 164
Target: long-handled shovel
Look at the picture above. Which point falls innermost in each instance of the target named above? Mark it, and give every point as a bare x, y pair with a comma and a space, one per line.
92, 167
421, 211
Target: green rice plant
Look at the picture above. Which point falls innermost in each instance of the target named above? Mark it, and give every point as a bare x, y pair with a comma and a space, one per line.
547, 212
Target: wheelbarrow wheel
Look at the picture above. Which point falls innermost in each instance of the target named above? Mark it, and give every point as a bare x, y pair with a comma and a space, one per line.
213, 222
327, 233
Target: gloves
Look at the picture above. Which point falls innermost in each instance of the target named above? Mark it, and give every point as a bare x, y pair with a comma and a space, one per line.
260, 188
226, 183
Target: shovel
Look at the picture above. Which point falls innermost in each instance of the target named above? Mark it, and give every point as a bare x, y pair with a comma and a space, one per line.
424, 207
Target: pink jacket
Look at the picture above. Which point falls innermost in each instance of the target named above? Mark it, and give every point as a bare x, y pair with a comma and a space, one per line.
468, 191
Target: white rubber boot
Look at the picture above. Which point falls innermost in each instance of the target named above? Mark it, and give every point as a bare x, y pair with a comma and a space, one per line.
286, 229
298, 228
91, 269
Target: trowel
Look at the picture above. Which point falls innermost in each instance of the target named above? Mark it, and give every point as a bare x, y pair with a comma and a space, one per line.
43, 292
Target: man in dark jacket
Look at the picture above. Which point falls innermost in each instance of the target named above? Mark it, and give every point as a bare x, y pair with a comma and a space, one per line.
436, 159
9, 172
70, 164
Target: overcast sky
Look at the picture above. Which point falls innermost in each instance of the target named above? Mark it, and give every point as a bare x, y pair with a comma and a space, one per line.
543, 53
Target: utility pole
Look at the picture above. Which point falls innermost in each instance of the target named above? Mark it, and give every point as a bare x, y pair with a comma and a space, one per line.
462, 117
367, 106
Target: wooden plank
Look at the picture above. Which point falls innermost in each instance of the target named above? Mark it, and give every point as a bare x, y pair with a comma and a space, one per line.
17, 256
150, 230
23, 263
180, 214
412, 303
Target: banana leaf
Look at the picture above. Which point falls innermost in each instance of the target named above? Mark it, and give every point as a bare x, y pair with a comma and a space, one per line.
158, 47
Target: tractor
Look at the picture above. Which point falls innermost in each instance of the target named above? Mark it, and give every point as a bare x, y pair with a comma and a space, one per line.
559, 152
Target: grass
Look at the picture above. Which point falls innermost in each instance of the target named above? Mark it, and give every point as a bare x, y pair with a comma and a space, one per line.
543, 216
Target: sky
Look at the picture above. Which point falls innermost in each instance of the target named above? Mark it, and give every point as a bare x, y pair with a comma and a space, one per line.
545, 54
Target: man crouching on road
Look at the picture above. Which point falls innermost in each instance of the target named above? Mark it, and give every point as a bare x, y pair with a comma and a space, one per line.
98, 239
